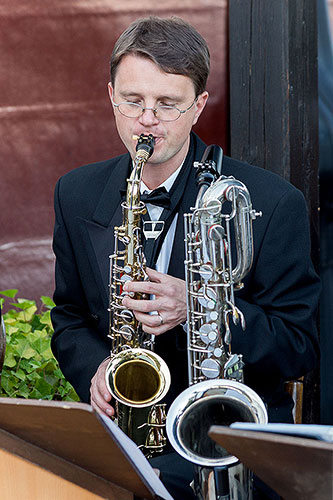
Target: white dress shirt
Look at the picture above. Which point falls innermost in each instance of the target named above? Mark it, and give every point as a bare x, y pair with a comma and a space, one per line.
155, 212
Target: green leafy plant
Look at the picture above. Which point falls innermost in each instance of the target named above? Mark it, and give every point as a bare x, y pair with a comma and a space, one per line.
30, 369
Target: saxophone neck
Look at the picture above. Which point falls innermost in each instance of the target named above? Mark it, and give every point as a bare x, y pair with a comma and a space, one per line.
144, 150
209, 168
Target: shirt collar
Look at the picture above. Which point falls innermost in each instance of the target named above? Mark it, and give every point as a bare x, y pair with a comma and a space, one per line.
167, 183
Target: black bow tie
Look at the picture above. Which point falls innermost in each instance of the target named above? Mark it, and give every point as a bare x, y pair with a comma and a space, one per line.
159, 197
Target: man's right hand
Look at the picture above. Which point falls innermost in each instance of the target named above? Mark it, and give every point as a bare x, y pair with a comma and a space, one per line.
100, 397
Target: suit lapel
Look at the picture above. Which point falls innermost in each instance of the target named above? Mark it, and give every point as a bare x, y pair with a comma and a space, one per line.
98, 233
111, 197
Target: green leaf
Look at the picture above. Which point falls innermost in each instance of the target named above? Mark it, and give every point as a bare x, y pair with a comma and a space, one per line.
23, 327
20, 374
7, 383
54, 381
23, 391
10, 328
24, 303
35, 394
27, 314
43, 386
25, 350
41, 345
47, 301
45, 319
10, 361
9, 293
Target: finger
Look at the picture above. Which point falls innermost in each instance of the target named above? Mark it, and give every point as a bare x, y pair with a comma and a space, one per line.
147, 287
101, 387
101, 406
145, 306
150, 320
156, 330
155, 276
100, 400
99, 393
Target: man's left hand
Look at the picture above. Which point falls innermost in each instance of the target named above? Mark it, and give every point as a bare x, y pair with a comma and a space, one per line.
170, 302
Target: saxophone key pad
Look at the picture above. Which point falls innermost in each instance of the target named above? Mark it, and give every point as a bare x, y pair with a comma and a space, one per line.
212, 336
210, 368
126, 315
218, 352
205, 331
125, 277
213, 315
206, 271
126, 332
207, 298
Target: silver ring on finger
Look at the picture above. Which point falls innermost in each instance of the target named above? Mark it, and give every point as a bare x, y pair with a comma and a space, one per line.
161, 319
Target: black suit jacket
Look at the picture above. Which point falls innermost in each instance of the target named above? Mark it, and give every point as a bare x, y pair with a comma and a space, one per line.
279, 298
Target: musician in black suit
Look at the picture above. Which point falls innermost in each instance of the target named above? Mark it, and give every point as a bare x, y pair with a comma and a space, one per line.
158, 75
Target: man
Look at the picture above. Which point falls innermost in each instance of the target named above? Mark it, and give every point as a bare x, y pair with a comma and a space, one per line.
159, 69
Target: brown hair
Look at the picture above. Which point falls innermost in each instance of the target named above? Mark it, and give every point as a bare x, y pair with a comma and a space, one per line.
171, 43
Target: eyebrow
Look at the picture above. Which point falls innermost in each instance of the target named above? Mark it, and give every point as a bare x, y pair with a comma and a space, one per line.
159, 98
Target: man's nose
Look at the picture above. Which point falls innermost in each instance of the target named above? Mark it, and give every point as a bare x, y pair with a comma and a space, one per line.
148, 116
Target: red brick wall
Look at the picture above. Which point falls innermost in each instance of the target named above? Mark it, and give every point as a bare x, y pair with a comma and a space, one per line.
55, 114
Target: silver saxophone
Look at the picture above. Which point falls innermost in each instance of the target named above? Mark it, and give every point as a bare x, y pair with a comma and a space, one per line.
137, 378
216, 394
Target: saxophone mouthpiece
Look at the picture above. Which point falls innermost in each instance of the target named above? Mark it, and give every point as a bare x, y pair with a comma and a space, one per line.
145, 143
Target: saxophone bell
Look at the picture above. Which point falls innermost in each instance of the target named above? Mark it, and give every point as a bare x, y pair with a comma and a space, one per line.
207, 403
137, 377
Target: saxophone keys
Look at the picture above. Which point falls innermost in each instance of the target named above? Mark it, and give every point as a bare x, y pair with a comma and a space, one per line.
210, 368
206, 271
127, 332
216, 232
213, 315
208, 332
126, 315
157, 415
207, 298
218, 352
227, 337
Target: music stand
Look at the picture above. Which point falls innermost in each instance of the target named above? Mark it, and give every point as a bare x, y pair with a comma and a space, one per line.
296, 468
79, 445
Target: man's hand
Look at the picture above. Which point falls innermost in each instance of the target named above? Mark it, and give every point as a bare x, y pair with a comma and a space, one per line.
99, 394
170, 302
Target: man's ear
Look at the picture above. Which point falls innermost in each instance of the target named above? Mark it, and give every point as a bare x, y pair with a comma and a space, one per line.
110, 91
200, 104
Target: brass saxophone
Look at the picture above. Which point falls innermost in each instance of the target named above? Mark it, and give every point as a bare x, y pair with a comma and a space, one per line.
216, 393
136, 377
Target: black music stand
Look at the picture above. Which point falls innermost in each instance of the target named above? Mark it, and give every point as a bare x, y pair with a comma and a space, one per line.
296, 468
77, 444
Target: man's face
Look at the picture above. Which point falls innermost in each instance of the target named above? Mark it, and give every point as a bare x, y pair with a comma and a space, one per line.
141, 81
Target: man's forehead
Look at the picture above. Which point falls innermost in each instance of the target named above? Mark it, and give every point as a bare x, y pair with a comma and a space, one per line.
135, 71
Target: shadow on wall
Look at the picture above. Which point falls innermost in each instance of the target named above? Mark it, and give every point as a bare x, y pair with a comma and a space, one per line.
55, 114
